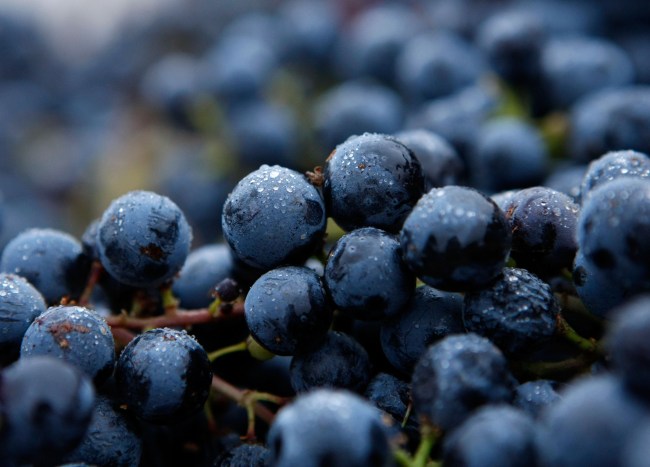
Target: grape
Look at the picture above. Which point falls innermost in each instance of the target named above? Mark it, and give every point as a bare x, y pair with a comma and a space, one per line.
338, 362
273, 217
287, 310
74, 334
316, 430
456, 239
51, 260
143, 239
366, 276
46, 407
458, 374
20, 303
163, 376
372, 180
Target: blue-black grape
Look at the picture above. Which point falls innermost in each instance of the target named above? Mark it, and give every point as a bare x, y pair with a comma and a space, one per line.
372, 180
366, 276
518, 312
51, 260
353, 108
111, 438
143, 239
244, 455
287, 310
508, 153
628, 345
458, 374
20, 304
437, 64
316, 429
163, 376
75, 334
456, 239
274, 217
590, 425
46, 407
613, 229
613, 165
533, 397
204, 268
441, 164
544, 224
429, 316
493, 435
338, 362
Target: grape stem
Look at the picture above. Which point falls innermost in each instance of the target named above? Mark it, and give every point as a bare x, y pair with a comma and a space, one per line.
429, 437
238, 347
565, 330
551, 369
96, 271
182, 318
250, 400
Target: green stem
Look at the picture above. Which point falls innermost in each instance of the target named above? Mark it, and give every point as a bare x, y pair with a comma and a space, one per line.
238, 347
572, 304
430, 436
409, 409
402, 458
214, 307
565, 330
550, 369
169, 301
257, 351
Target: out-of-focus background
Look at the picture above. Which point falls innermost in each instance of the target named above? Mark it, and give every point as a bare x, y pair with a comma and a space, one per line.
184, 97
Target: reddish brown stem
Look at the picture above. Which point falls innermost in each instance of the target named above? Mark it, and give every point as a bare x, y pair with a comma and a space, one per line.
238, 395
182, 318
122, 336
96, 271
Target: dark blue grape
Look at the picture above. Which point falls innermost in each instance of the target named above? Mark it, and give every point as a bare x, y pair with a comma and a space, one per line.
314, 26
51, 260
366, 276
613, 229
436, 64
238, 68
370, 45
316, 430
518, 312
457, 375
508, 153
610, 120
393, 396
512, 41
204, 268
372, 180
287, 310
111, 438
353, 108
20, 304
75, 334
429, 316
338, 362
628, 344
613, 165
533, 397
493, 435
596, 289
171, 86
163, 376
572, 67
265, 133
143, 239
274, 217
590, 425
544, 224
456, 239
46, 406
244, 455
566, 178
458, 117
440, 163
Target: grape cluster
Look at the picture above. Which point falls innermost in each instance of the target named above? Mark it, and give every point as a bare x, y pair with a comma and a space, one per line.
352, 234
